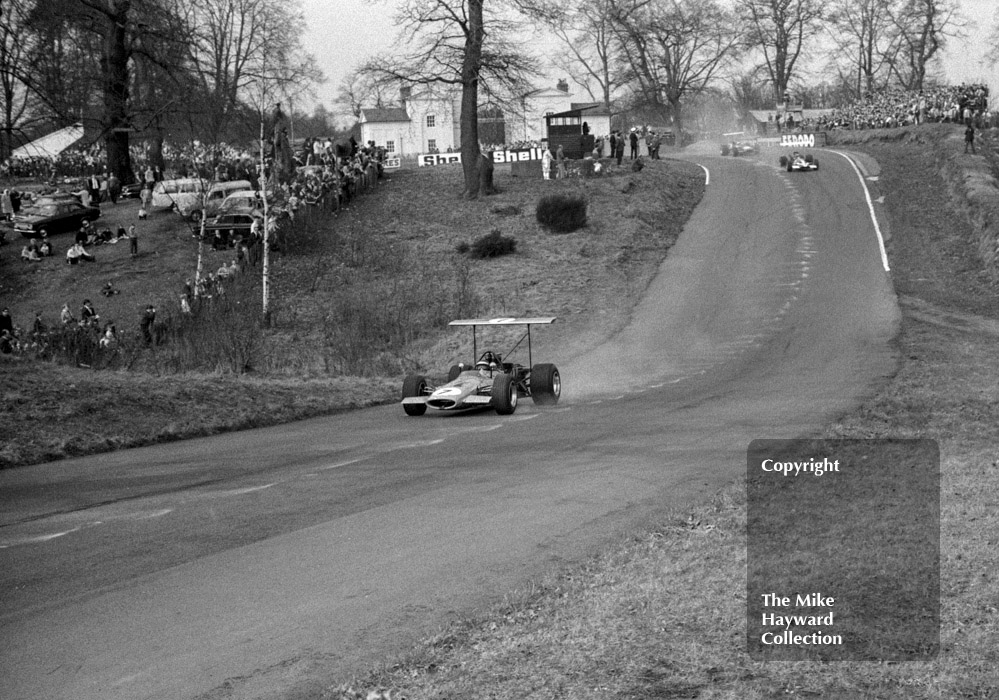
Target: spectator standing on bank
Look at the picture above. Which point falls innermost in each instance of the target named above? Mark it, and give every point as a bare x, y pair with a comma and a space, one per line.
133, 241
6, 206
560, 160
633, 138
6, 322
146, 323
620, 148
114, 188
969, 139
546, 163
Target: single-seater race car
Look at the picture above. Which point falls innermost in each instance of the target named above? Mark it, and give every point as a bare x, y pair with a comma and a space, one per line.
738, 148
492, 380
796, 161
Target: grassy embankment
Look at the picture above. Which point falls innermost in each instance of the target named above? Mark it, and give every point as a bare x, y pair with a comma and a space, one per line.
357, 300
663, 614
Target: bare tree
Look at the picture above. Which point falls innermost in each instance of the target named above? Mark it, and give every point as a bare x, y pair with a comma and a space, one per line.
672, 51
239, 43
921, 29
587, 34
14, 49
861, 30
357, 90
459, 44
781, 30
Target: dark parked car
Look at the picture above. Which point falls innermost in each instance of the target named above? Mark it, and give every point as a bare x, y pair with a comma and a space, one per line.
225, 227
54, 216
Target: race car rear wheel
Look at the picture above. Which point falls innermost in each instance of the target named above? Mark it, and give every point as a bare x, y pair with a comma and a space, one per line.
453, 373
504, 394
789, 166
815, 162
724, 149
414, 385
783, 161
546, 384
808, 158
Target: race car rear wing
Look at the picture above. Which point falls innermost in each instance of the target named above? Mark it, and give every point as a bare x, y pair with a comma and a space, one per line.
504, 321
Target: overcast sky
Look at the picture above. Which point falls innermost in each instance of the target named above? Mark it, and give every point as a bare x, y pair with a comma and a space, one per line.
342, 33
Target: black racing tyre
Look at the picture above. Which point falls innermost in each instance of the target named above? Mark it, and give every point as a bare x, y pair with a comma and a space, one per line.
414, 385
504, 394
724, 149
783, 161
789, 168
546, 384
815, 162
453, 373
808, 158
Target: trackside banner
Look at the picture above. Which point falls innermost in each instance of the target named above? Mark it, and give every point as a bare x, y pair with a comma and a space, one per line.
803, 140
509, 156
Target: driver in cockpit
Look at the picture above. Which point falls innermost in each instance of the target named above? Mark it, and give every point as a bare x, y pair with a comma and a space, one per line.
488, 363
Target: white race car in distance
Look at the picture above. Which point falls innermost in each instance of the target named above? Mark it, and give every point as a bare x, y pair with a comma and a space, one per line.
796, 161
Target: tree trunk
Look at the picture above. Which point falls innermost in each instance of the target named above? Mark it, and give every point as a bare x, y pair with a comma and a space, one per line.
114, 64
471, 64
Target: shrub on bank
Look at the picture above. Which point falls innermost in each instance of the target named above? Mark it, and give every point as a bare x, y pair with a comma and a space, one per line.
561, 213
493, 245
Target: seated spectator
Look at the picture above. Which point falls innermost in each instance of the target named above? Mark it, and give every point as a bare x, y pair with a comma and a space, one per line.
6, 342
109, 337
45, 248
30, 253
76, 253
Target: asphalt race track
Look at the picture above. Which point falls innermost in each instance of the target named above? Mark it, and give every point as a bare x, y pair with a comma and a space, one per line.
250, 564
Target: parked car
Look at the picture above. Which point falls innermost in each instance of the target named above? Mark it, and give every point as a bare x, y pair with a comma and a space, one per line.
194, 198
54, 216
242, 199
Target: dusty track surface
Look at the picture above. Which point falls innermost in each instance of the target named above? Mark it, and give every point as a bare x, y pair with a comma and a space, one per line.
269, 562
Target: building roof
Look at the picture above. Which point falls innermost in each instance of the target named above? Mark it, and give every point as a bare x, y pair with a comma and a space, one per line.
384, 114
583, 109
590, 108
51, 145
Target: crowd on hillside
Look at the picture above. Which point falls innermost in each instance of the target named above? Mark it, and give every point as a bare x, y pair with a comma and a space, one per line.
959, 104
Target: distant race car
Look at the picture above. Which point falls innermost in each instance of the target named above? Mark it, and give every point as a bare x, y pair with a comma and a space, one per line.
738, 148
491, 381
796, 161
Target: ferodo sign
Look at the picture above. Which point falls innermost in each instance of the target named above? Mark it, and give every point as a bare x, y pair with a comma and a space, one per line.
801, 140
510, 156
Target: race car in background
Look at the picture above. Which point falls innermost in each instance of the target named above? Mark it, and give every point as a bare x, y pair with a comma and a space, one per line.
739, 148
492, 380
796, 161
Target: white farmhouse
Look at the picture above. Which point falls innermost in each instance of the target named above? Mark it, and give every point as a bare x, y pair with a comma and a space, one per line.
425, 123
430, 123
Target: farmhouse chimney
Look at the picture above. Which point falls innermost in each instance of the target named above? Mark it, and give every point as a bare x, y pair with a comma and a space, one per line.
562, 85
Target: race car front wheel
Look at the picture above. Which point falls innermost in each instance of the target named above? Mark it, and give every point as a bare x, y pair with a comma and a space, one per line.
546, 384
414, 385
504, 394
